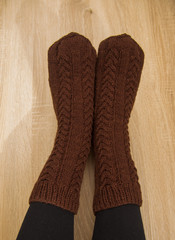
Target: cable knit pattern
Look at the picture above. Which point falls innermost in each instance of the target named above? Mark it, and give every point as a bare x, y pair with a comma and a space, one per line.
71, 63
119, 66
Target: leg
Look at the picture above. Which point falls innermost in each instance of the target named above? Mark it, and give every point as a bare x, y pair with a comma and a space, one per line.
119, 223
46, 221
118, 197
55, 196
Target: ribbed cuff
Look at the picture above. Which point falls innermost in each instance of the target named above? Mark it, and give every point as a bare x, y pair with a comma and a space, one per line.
47, 192
110, 196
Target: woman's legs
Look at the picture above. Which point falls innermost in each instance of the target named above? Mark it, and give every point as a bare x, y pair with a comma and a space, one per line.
46, 221
117, 198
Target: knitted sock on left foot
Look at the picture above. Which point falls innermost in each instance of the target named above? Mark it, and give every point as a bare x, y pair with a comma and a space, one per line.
71, 63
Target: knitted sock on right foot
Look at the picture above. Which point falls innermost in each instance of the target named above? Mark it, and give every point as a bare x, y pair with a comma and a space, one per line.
118, 70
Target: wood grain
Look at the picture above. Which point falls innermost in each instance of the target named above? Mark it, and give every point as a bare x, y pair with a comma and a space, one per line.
28, 123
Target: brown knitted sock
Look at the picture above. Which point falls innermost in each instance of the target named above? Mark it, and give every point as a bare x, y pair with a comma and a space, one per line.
71, 64
119, 66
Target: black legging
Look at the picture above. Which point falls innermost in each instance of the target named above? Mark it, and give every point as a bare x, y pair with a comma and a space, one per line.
48, 222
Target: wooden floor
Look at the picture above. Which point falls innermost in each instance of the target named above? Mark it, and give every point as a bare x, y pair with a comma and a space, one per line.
28, 123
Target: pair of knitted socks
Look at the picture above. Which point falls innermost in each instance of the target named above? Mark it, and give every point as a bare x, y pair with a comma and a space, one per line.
75, 74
